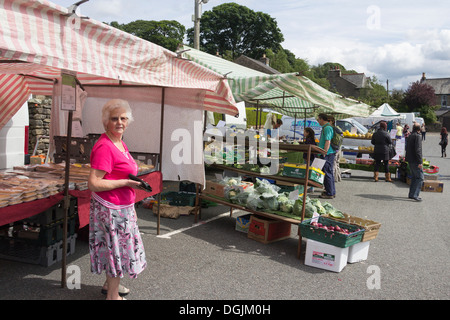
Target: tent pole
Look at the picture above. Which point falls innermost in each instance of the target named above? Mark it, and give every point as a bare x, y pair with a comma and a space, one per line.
295, 123
257, 110
163, 93
66, 200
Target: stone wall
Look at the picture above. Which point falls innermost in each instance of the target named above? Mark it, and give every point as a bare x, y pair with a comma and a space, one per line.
39, 109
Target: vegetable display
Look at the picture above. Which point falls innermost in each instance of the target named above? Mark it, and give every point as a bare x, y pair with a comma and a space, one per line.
264, 196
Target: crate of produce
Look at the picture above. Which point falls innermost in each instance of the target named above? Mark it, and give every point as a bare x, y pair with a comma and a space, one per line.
330, 231
174, 198
371, 227
299, 171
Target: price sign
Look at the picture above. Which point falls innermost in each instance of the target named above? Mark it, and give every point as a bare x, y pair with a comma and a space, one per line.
68, 90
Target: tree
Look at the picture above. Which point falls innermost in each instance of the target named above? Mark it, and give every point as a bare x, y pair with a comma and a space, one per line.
239, 29
419, 95
166, 33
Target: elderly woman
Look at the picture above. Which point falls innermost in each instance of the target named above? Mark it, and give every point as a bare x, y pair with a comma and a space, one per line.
381, 141
115, 244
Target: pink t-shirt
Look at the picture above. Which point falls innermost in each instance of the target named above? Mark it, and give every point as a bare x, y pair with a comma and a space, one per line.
107, 157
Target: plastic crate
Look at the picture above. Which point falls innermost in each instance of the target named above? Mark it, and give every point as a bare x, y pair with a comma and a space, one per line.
79, 150
331, 237
174, 198
26, 252
371, 227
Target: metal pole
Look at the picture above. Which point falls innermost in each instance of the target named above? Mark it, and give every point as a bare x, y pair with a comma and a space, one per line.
197, 8
66, 200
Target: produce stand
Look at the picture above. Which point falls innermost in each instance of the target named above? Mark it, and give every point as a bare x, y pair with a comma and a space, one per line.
353, 147
307, 149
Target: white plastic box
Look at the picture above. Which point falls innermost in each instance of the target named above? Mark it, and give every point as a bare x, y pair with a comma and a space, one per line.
325, 256
358, 252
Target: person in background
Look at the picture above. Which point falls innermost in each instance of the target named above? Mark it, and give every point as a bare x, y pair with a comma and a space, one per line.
444, 142
381, 141
275, 126
423, 130
325, 143
336, 167
415, 160
115, 243
309, 137
399, 132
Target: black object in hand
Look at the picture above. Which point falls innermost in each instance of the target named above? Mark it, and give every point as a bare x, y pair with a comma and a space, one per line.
144, 185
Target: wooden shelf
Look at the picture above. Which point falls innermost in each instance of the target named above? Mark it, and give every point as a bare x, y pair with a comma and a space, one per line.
267, 176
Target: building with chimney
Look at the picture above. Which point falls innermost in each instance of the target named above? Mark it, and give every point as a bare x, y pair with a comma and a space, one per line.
441, 88
347, 84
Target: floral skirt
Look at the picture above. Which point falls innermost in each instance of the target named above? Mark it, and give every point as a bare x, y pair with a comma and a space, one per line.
115, 244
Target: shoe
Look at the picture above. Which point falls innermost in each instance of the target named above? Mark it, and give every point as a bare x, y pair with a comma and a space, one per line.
325, 196
375, 176
416, 199
122, 291
388, 177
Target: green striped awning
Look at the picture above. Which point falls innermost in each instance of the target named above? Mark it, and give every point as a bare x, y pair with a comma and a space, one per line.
289, 94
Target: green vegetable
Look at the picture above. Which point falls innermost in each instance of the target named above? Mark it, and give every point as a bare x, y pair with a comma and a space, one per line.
337, 214
297, 209
287, 206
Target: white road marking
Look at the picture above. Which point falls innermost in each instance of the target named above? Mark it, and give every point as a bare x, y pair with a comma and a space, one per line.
168, 235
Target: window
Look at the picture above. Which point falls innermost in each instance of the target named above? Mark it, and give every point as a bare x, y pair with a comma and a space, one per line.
444, 100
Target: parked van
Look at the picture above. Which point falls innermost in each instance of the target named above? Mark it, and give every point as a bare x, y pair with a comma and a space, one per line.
14, 139
291, 125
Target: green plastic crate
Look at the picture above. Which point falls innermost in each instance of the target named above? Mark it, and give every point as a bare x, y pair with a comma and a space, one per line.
174, 198
331, 237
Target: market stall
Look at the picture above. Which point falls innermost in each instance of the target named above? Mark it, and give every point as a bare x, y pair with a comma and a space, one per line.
290, 94
41, 41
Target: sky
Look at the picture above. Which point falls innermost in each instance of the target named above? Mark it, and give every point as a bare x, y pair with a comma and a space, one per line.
393, 40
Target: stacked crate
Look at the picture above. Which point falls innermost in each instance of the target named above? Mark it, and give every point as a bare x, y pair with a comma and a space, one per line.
39, 239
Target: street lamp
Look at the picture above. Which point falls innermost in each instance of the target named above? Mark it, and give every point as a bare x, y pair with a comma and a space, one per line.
197, 16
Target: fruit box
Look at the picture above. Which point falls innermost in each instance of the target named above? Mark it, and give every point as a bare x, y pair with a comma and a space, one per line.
215, 188
325, 256
358, 252
267, 230
331, 237
299, 171
371, 227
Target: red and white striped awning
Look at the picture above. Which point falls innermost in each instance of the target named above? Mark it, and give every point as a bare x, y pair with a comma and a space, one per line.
39, 38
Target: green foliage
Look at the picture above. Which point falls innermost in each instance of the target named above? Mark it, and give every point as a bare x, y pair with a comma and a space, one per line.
166, 33
419, 95
233, 27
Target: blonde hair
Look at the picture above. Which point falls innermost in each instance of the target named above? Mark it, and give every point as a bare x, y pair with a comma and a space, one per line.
112, 105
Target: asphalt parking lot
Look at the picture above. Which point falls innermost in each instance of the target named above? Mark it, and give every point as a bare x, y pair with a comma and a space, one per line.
212, 261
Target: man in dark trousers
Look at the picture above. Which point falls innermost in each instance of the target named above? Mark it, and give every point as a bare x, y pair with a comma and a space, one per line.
414, 159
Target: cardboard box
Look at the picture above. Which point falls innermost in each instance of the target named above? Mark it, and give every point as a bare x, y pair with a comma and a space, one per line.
267, 230
433, 186
215, 188
325, 256
299, 171
358, 252
243, 223
429, 185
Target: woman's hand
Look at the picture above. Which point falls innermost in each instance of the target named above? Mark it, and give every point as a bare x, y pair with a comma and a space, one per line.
96, 182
